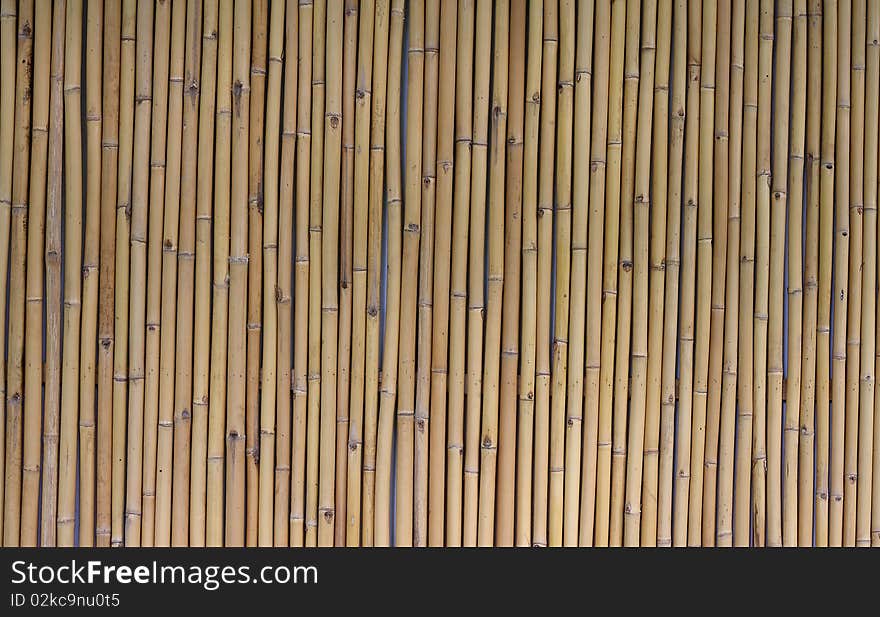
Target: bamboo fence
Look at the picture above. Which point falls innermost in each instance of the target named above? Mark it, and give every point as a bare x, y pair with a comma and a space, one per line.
439, 273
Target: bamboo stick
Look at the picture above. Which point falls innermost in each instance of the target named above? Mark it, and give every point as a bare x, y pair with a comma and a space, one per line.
641, 206
152, 467
107, 271
409, 281
72, 287
216, 453
343, 370
526, 394
690, 194
255, 205
302, 277
360, 272
202, 304
458, 275
271, 234
185, 268
562, 205
841, 277
388, 391
672, 263
746, 359
422, 454
510, 312
52, 372
824, 359
33, 358
589, 514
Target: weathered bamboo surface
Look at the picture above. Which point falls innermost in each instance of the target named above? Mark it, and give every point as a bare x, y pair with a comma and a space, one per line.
439, 272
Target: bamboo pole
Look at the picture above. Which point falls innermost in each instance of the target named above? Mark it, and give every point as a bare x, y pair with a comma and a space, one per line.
854, 314
409, 281
52, 372
91, 249
809, 395
869, 282
589, 515
33, 358
271, 234
824, 359
107, 271
17, 231
255, 204
684, 423
562, 205
730, 364
672, 263
547, 133
609, 276
286, 190
319, 26
656, 324
185, 268
374, 265
526, 394
510, 301
641, 206
155, 207
216, 453
841, 277
302, 276
72, 285
494, 276
458, 275
360, 272
421, 447
745, 327
346, 247
202, 302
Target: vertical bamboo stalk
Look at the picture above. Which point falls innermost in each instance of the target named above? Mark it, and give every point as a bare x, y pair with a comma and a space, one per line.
510, 301
458, 276
746, 359
672, 263
403, 497
641, 207
202, 323
526, 394
107, 271
185, 267
271, 233
216, 459
346, 246
562, 215
494, 275
302, 276
164, 38
72, 284
841, 277
656, 274
360, 272
255, 205
824, 359
374, 265
286, 190
52, 372
589, 515
690, 195
33, 358
426, 275
810, 363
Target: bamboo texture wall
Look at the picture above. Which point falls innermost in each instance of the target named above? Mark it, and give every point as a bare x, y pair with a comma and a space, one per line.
441, 272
